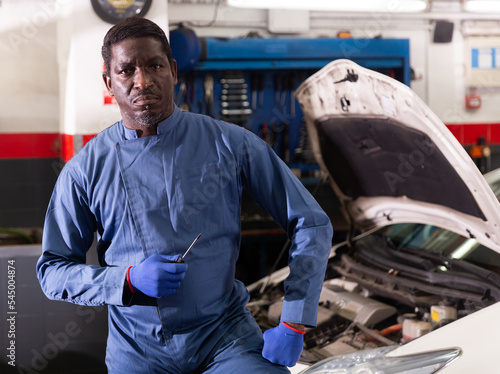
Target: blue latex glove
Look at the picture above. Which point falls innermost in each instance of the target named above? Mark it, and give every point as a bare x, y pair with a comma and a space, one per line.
158, 275
282, 345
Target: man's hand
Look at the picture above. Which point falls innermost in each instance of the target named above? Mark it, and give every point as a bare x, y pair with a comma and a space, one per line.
283, 344
158, 275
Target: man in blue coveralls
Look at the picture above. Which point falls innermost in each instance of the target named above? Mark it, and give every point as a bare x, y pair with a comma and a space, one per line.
148, 185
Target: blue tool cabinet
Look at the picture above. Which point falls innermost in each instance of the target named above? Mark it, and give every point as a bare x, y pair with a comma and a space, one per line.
250, 81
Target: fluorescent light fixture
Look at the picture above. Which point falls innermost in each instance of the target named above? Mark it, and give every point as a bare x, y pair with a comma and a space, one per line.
391, 6
482, 6
466, 247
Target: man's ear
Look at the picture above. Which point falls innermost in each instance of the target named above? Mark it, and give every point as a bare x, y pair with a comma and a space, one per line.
173, 68
107, 82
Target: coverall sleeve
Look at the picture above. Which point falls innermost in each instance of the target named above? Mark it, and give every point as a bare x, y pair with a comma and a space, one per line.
68, 234
275, 188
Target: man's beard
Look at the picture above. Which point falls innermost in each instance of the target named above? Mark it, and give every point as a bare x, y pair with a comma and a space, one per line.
149, 119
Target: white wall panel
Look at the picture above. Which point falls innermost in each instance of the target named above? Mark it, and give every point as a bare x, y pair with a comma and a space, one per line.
29, 89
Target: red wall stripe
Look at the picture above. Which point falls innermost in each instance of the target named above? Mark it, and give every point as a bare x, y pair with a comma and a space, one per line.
29, 145
86, 138
67, 147
44, 145
38, 145
468, 134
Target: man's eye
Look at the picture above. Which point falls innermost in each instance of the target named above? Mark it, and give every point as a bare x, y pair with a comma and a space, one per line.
125, 71
157, 66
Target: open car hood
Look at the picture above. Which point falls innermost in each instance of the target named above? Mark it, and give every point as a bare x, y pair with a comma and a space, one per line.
389, 157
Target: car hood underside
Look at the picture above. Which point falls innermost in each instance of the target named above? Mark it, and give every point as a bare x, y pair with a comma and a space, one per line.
390, 159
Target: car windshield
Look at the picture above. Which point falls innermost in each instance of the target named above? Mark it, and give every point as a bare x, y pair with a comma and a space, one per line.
446, 243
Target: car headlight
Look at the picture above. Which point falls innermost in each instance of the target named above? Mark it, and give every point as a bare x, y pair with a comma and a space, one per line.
375, 361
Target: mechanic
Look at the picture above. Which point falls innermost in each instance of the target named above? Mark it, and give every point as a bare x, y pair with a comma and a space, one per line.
148, 185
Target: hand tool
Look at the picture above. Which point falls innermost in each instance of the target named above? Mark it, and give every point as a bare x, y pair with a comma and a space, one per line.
209, 94
230, 91
181, 259
254, 90
277, 88
234, 85
257, 89
234, 97
235, 104
266, 134
180, 93
236, 112
260, 86
232, 80
291, 82
285, 85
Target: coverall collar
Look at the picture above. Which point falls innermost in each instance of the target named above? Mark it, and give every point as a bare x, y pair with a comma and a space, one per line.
163, 127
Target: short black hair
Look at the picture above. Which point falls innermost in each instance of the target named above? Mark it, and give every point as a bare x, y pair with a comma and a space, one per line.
132, 28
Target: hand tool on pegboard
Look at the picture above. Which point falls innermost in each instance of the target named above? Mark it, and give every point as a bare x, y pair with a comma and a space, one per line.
208, 85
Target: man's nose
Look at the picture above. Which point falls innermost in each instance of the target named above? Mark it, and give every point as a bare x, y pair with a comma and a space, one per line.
142, 79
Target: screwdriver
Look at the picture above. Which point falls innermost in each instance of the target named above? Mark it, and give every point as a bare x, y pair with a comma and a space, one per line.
181, 259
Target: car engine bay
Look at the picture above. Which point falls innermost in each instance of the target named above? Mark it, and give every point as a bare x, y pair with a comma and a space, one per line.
376, 294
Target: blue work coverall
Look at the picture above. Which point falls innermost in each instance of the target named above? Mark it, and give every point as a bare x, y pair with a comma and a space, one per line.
154, 195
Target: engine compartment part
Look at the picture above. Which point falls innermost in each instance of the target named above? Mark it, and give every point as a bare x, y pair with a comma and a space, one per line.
443, 311
355, 307
350, 321
414, 328
377, 295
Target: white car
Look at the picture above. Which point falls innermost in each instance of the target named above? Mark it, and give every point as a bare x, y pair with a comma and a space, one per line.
415, 287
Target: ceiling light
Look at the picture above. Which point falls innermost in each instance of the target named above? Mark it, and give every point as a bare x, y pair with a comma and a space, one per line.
482, 6
391, 6
464, 249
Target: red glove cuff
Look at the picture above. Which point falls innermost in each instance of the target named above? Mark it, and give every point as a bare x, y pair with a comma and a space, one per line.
292, 328
128, 280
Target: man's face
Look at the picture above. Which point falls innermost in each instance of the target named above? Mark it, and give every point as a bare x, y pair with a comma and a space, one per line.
142, 81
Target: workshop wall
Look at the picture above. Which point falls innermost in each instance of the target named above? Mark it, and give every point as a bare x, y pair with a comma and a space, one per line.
29, 114
52, 98
440, 69
29, 93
